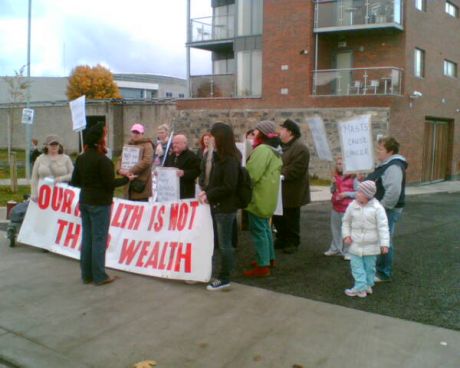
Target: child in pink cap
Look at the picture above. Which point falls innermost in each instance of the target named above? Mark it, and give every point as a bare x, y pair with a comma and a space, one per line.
365, 230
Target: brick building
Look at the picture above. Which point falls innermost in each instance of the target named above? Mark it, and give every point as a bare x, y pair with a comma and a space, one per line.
396, 60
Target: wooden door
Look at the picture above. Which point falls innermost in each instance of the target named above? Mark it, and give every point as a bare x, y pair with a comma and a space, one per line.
436, 151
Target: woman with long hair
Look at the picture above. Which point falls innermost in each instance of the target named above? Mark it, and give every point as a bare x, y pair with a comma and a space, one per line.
94, 174
221, 194
52, 164
264, 167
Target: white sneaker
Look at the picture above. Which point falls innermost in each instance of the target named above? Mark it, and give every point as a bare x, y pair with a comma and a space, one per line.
354, 292
217, 285
369, 290
329, 253
347, 257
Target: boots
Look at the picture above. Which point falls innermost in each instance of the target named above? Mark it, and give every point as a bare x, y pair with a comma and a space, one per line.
257, 272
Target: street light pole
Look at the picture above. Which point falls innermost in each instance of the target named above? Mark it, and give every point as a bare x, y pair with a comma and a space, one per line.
28, 126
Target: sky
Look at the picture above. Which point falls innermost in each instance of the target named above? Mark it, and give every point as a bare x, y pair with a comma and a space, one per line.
135, 36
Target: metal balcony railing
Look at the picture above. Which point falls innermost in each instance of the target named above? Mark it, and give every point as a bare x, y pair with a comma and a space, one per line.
381, 81
333, 15
212, 28
212, 86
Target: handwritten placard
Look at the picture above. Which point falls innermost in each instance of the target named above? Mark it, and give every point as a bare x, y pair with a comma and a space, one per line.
356, 144
130, 156
167, 184
318, 133
77, 109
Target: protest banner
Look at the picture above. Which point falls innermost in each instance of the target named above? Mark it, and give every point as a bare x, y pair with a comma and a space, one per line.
169, 240
27, 116
130, 156
167, 184
77, 109
318, 133
356, 144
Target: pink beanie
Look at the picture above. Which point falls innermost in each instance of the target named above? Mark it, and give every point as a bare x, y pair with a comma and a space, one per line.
368, 188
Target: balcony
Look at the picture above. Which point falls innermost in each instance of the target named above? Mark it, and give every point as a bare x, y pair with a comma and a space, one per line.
378, 81
343, 15
212, 86
212, 29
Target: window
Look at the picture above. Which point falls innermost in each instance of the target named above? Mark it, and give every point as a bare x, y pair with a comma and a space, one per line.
181, 95
169, 94
250, 17
451, 9
419, 63
450, 69
420, 5
249, 78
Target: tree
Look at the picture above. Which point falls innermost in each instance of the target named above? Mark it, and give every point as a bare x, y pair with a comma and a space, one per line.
93, 82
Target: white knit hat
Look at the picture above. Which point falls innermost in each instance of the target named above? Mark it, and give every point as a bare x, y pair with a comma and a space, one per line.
368, 188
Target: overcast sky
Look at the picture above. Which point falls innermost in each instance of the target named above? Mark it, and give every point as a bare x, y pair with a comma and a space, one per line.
135, 36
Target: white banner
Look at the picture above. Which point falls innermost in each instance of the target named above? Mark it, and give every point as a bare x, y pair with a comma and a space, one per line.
356, 143
77, 109
170, 240
318, 133
167, 184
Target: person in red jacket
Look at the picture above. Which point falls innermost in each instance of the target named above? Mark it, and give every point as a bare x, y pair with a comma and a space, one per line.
343, 191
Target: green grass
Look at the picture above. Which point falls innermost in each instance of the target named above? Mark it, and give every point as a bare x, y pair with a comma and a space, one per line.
7, 195
20, 154
320, 182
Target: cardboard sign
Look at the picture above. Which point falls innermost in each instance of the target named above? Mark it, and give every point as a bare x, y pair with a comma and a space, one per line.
167, 184
356, 144
318, 133
77, 109
130, 156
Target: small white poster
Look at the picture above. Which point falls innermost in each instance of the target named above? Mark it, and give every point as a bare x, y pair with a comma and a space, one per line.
27, 116
356, 143
77, 109
130, 156
167, 184
279, 203
318, 133
242, 148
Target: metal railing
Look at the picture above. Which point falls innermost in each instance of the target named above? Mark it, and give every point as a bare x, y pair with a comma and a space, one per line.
350, 14
382, 81
212, 86
212, 28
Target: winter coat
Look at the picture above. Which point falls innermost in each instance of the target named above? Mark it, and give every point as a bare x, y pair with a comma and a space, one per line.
368, 227
296, 184
343, 184
190, 163
143, 170
264, 168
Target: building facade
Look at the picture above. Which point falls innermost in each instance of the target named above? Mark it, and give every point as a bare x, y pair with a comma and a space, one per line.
396, 60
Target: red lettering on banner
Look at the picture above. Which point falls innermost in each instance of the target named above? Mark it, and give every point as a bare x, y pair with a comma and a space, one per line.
77, 210
153, 259
69, 195
116, 217
62, 224
144, 251
44, 196
173, 214
178, 216
173, 246
128, 251
162, 264
128, 214
136, 218
184, 256
71, 231
156, 218
56, 199
194, 205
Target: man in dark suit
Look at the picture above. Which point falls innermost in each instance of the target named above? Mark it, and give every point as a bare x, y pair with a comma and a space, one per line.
295, 187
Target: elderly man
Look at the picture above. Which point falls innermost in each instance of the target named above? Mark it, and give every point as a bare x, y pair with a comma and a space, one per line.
188, 164
295, 187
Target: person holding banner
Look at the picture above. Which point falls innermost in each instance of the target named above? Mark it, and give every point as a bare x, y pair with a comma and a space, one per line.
162, 144
264, 167
295, 187
140, 189
221, 193
52, 164
390, 178
94, 174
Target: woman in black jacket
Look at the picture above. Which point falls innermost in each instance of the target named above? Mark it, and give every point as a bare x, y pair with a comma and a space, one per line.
221, 194
94, 174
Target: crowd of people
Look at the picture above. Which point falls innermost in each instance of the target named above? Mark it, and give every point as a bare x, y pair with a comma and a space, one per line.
363, 217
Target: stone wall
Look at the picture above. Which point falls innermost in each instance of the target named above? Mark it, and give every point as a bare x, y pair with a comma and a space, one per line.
195, 122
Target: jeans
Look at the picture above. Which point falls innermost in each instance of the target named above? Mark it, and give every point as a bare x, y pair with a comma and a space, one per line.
337, 244
224, 226
95, 229
385, 261
288, 228
261, 234
363, 271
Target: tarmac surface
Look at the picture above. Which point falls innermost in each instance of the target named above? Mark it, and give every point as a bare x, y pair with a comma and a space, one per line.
48, 318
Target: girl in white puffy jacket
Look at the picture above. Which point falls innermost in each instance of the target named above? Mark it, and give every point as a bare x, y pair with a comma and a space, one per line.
365, 230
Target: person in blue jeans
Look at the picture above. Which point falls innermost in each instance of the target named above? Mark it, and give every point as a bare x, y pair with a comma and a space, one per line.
94, 174
221, 193
390, 179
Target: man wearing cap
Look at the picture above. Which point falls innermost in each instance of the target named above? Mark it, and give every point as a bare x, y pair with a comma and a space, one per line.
187, 163
295, 187
140, 189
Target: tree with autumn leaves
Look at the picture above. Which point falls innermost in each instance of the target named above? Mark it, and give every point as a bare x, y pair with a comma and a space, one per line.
93, 82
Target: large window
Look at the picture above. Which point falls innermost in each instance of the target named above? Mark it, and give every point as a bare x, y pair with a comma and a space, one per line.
249, 66
420, 5
451, 9
419, 63
450, 68
250, 17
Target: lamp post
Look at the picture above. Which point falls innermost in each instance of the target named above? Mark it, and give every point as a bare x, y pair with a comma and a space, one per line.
28, 126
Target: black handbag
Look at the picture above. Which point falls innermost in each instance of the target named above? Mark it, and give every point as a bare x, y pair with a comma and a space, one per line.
137, 186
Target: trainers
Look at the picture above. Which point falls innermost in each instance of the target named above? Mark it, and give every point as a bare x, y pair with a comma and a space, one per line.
257, 272
354, 292
347, 257
217, 285
379, 279
369, 290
